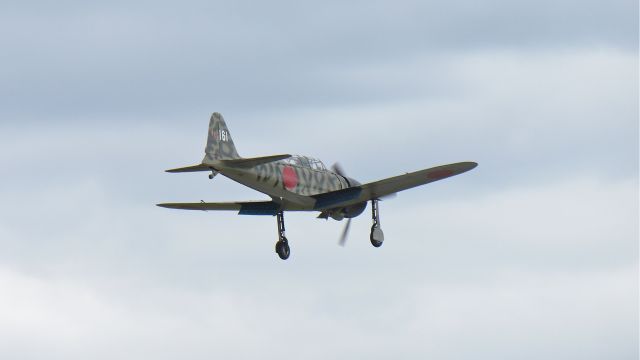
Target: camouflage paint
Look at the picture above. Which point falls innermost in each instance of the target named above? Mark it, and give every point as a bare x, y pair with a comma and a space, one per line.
219, 143
276, 178
298, 183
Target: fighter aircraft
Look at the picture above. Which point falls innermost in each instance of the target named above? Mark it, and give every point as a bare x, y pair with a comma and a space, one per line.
300, 183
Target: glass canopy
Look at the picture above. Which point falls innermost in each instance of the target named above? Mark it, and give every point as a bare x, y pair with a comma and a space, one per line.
305, 161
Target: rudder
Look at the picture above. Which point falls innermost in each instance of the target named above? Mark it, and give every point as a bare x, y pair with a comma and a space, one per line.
219, 143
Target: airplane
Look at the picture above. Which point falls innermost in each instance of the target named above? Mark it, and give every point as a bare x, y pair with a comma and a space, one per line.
300, 183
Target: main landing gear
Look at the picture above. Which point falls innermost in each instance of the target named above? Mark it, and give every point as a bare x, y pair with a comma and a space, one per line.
377, 236
282, 246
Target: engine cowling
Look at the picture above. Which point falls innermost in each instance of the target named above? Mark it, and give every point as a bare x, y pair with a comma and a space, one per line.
348, 211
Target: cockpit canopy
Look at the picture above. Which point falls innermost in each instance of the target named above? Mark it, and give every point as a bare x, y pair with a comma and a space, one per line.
305, 161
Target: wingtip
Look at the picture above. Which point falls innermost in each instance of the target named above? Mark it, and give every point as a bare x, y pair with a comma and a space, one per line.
469, 165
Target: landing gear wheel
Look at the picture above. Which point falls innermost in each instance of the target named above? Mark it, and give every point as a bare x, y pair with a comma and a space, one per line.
377, 236
282, 248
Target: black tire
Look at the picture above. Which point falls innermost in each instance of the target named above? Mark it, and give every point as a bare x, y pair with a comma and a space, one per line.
375, 243
283, 250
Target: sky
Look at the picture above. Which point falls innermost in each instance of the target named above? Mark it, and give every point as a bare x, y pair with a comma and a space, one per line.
534, 254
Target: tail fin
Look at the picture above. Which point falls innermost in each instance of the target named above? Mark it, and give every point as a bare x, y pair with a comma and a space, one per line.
219, 144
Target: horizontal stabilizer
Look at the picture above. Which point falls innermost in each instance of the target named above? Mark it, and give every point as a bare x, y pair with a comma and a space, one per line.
246, 163
194, 168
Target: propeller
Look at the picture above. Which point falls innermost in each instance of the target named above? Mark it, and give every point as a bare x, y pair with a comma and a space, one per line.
337, 168
345, 233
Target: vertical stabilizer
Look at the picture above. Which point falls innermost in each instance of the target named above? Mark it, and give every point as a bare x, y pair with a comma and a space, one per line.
219, 143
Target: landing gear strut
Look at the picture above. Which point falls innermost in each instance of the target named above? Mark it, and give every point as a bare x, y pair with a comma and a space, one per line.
282, 246
377, 236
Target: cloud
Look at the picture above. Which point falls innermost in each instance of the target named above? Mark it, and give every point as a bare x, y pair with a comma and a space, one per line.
524, 116
547, 314
125, 279
157, 59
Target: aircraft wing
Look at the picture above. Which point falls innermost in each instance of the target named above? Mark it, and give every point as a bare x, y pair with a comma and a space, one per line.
381, 188
243, 208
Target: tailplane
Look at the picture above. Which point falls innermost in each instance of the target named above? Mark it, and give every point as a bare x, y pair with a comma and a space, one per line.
221, 152
219, 143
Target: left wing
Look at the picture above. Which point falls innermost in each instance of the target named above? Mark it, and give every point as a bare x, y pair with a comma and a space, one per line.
243, 208
381, 188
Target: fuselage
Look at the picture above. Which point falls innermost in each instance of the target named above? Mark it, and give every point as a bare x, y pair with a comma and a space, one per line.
291, 176
294, 180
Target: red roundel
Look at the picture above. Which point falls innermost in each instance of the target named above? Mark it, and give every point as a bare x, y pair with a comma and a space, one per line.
439, 174
289, 178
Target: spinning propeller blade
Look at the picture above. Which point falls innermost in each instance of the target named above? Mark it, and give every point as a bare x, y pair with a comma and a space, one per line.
345, 233
336, 168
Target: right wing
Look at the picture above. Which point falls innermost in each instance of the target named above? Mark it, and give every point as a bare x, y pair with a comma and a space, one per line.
378, 189
392, 185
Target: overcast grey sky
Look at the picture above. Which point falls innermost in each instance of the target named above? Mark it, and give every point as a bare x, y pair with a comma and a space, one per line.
532, 255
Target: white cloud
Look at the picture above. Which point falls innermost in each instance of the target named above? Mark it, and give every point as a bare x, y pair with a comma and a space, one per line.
544, 268
524, 116
588, 315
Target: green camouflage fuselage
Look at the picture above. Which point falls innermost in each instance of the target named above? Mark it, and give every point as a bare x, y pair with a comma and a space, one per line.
280, 178
298, 175
292, 181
